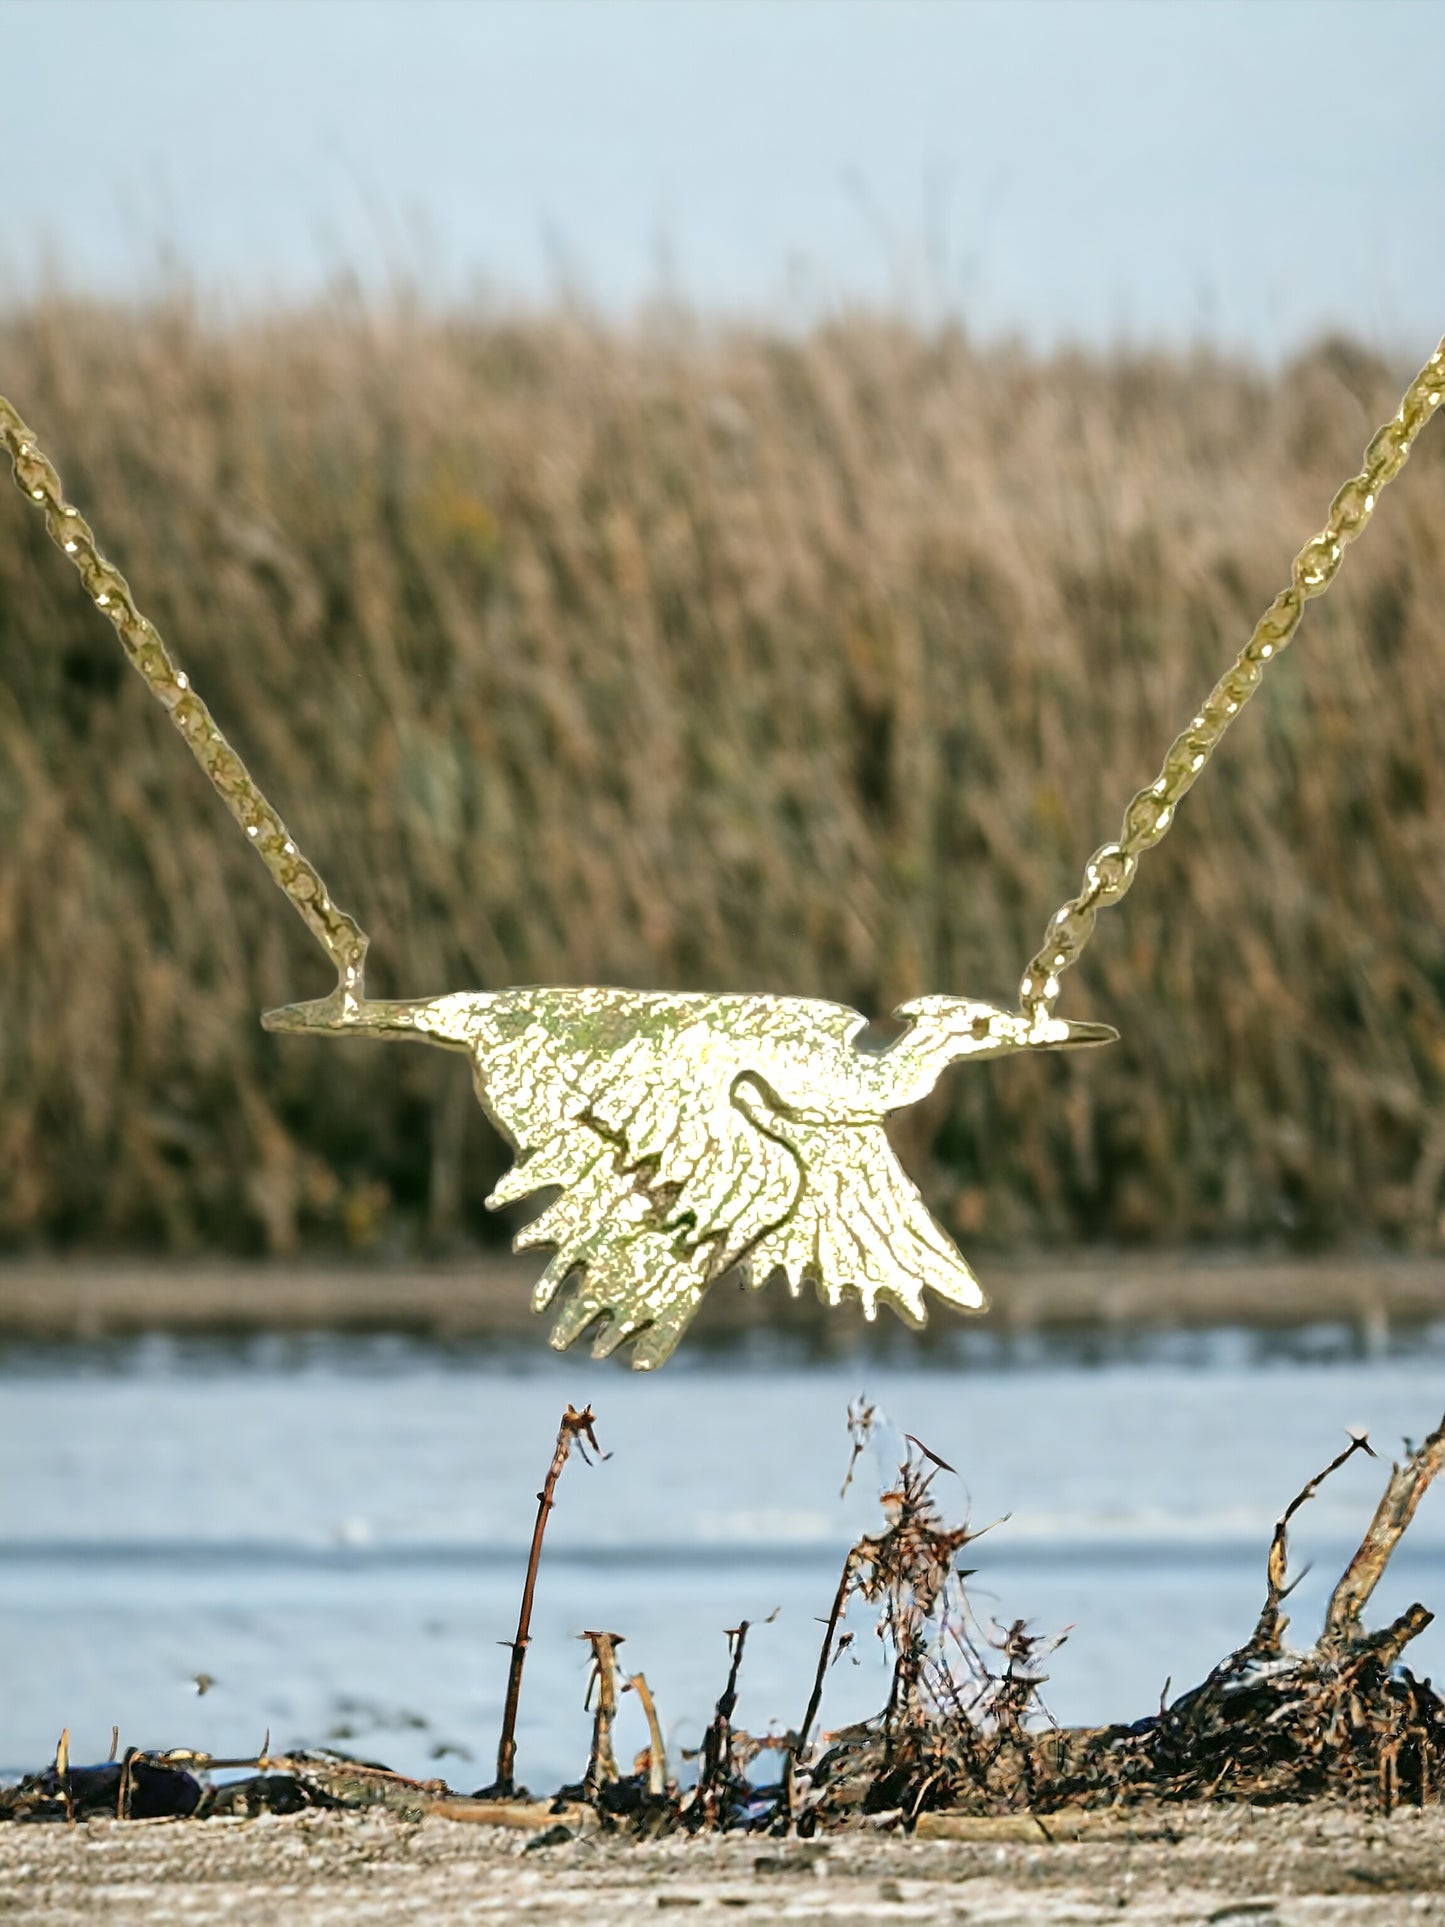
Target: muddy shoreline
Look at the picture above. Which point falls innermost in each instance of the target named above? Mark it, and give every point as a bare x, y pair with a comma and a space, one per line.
1285, 1865
490, 1296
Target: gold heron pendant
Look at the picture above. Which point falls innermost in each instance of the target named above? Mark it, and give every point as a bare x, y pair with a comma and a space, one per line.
689, 1137
692, 1137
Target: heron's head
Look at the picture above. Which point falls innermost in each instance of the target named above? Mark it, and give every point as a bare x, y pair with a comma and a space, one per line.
982, 1030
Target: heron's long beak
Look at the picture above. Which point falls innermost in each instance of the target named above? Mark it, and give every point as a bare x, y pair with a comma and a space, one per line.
1059, 1033
341, 1011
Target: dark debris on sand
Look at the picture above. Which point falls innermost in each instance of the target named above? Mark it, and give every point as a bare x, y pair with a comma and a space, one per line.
963, 1737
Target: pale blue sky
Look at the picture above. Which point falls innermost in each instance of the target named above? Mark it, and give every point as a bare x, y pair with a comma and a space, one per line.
1252, 171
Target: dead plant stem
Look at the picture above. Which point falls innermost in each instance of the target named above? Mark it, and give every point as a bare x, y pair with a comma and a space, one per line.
800, 1738
602, 1760
657, 1751
1269, 1632
1407, 1485
575, 1427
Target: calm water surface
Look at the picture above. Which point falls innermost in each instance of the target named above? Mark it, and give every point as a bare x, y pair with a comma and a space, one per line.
336, 1529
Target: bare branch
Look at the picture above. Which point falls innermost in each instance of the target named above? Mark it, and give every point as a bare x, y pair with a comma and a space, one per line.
1269, 1633
575, 1427
1407, 1485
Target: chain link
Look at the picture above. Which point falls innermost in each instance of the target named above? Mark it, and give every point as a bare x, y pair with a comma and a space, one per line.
1111, 869
339, 935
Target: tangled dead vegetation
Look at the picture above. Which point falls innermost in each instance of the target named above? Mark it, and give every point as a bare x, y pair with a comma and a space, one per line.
963, 1738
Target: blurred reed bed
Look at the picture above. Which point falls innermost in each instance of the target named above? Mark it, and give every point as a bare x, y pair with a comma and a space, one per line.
677, 657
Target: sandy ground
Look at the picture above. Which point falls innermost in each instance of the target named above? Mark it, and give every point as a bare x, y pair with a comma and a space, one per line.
1234, 1866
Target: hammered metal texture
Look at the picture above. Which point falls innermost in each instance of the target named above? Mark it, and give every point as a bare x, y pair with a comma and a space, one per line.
693, 1136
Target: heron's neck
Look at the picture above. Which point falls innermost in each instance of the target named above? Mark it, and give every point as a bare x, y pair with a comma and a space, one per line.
909, 1068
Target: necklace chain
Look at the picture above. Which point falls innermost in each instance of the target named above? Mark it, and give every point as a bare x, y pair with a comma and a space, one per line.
339, 935
1108, 873
1113, 866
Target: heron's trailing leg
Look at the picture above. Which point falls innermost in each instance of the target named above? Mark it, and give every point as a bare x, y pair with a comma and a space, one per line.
436, 1020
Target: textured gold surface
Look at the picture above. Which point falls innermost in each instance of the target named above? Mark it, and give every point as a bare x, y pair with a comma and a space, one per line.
692, 1136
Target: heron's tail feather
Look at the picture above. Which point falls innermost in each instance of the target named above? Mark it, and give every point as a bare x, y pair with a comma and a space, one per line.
616, 1265
861, 1227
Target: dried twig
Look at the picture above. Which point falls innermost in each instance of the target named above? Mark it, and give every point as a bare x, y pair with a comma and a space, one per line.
1406, 1487
656, 1752
717, 1768
518, 1816
799, 1745
861, 1419
575, 1427
1269, 1633
602, 1761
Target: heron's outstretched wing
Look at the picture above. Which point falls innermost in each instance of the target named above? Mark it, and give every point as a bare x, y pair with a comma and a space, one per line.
650, 1071
861, 1226
624, 1102
675, 1160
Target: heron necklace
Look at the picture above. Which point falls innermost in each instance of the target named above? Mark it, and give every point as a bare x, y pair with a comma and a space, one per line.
692, 1136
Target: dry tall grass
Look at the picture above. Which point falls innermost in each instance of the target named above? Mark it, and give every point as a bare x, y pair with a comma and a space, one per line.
669, 659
